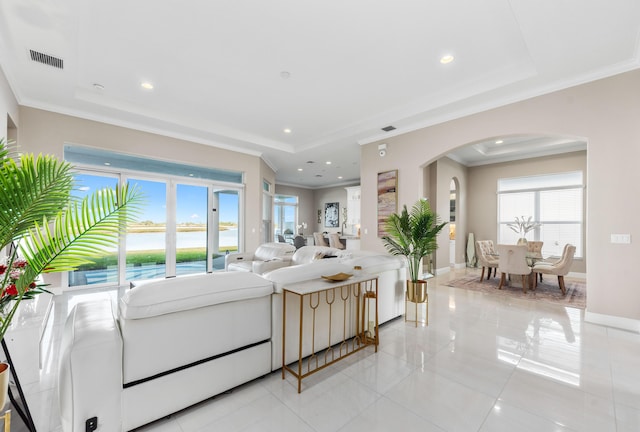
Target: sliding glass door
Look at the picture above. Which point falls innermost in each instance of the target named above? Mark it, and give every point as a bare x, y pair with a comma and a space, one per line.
185, 228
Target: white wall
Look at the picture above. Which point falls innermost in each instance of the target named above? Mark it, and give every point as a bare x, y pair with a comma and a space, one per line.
8, 106
606, 113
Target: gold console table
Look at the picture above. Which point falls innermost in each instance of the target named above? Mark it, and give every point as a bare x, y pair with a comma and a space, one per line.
352, 299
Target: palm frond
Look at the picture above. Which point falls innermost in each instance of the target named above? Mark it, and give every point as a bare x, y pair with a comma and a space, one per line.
413, 234
30, 190
79, 232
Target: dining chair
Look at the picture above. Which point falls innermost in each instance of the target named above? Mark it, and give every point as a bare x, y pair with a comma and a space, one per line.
534, 249
319, 239
513, 261
299, 241
560, 268
487, 257
334, 241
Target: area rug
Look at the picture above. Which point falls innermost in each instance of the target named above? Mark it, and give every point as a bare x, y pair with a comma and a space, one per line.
547, 291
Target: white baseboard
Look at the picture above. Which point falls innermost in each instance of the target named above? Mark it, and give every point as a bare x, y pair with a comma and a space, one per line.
612, 321
443, 270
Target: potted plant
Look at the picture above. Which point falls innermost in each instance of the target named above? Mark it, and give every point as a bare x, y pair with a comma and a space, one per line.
414, 235
43, 228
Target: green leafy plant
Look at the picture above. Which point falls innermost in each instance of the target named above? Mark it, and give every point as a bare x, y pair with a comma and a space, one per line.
45, 229
413, 234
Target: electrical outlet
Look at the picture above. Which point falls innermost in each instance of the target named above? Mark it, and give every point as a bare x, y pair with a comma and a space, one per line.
91, 424
372, 326
621, 238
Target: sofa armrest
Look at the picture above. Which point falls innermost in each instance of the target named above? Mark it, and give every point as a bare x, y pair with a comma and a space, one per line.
90, 371
235, 257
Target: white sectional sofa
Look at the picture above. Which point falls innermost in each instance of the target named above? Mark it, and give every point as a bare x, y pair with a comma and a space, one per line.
266, 257
171, 343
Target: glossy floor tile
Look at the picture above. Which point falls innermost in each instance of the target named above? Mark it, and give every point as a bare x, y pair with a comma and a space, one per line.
484, 363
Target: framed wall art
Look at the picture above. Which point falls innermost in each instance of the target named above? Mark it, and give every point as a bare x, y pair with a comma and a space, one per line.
387, 198
332, 215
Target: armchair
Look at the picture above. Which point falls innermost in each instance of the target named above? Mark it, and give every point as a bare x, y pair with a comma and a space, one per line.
560, 268
486, 256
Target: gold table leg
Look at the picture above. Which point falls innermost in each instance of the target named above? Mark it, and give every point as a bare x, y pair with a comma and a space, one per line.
7, 420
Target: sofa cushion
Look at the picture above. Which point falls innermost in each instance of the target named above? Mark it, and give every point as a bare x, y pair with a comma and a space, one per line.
303, 272
244, 266
269, 251
307, 254
165, 296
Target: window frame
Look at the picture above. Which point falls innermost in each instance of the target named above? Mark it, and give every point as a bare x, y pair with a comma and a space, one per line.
537, 209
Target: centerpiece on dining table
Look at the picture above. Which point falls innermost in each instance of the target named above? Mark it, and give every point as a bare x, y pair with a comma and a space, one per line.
522, 226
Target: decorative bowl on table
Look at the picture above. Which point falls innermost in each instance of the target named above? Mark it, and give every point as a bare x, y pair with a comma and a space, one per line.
338, 277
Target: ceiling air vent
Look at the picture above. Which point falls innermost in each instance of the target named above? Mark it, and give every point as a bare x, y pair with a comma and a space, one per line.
46, 59
388, 128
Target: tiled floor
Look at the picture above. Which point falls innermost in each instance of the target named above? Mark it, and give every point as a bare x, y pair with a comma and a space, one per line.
484, 363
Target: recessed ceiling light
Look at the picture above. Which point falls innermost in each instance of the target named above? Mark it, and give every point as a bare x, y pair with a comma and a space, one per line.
107, 163
147, 85
340, 177
446, 59
190, 175
299, 169
328, 162
98, 86
287, 130
499, 142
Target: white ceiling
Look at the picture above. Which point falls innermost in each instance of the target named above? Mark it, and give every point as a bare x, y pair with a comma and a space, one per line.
354, 66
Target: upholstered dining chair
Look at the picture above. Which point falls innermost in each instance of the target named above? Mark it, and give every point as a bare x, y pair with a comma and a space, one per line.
534, 248
334, 241
487, 257
513, 261
299, 241
560, 268
319, 240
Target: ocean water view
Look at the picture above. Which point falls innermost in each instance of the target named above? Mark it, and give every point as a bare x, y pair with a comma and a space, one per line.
190, 239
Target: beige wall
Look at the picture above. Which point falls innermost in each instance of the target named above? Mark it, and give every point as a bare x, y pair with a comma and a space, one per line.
483, 200
47, 132
448, 169
310, 201
605, 113
306, 205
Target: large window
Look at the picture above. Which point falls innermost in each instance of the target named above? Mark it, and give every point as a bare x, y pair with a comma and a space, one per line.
286, 216
555, 201
190, 220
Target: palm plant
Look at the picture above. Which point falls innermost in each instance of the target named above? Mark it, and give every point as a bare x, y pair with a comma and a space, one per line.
52, 230
413, 234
